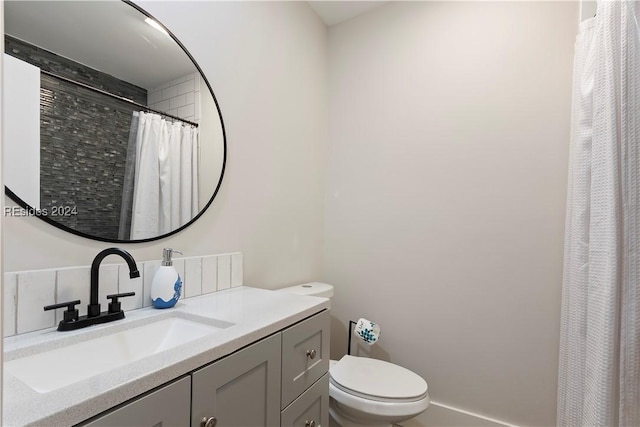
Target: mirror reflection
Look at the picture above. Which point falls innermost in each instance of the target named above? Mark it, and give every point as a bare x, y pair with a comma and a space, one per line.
111, 132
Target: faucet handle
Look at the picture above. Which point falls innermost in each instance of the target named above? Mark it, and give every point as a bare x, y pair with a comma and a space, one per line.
114, 305
70, 314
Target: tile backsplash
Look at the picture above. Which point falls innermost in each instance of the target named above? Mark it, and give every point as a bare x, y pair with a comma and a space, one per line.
27, 292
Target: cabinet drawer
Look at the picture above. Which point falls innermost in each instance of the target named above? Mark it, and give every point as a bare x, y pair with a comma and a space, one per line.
305, 355
169, 406
310, 409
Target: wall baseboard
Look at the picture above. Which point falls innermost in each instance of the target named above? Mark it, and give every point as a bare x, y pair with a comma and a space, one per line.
441, 415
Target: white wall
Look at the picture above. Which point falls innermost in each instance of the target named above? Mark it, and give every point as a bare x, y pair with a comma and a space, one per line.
267, 65
448, 146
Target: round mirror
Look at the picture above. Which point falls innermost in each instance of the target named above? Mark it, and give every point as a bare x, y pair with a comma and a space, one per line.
110, 129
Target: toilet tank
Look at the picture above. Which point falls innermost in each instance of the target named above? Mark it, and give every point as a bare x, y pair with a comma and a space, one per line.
316, 289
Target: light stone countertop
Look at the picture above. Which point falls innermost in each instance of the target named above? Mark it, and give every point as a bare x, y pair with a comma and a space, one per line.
254, 314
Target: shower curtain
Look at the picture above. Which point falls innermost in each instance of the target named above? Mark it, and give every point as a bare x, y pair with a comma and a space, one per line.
164, 176
599, 370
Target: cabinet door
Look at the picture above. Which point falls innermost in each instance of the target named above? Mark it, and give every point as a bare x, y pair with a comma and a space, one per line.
305, 355
310, 409
165, 407
242, 389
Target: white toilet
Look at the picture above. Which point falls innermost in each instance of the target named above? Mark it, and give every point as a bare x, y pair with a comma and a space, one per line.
368, 392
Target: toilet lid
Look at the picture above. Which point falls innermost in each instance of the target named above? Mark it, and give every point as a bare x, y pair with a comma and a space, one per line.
377, 378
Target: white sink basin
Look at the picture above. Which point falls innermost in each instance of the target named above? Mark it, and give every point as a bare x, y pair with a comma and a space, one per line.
53, 369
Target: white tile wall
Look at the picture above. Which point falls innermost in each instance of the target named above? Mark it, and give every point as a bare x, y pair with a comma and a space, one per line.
35, 290
27, 292
192, 280
10, 299
179, 97
209, 274
236, 270
224, 272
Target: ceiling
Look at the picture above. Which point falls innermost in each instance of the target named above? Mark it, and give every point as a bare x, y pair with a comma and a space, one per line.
108, 36
112, 37
335, 12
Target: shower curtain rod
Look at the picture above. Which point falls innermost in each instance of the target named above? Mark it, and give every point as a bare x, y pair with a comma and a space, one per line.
121, 98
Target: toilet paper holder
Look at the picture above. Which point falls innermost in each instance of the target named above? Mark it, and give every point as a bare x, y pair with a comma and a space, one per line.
370, 337
352, 324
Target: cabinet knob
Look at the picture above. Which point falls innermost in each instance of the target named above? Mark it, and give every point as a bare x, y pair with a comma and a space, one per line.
208, 422
311, 354
311, 423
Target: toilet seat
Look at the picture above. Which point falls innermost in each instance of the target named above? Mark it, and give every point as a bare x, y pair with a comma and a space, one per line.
377, 380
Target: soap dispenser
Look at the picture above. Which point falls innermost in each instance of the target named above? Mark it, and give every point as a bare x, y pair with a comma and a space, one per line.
166, 284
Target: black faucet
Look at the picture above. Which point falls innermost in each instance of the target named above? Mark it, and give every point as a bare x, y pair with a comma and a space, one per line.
72, 321
93, 309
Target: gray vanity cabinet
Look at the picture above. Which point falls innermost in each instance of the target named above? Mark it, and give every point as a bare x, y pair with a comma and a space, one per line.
281, 380
168, 406
240, 390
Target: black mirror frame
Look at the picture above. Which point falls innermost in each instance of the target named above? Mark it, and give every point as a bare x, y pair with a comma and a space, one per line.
46, 219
